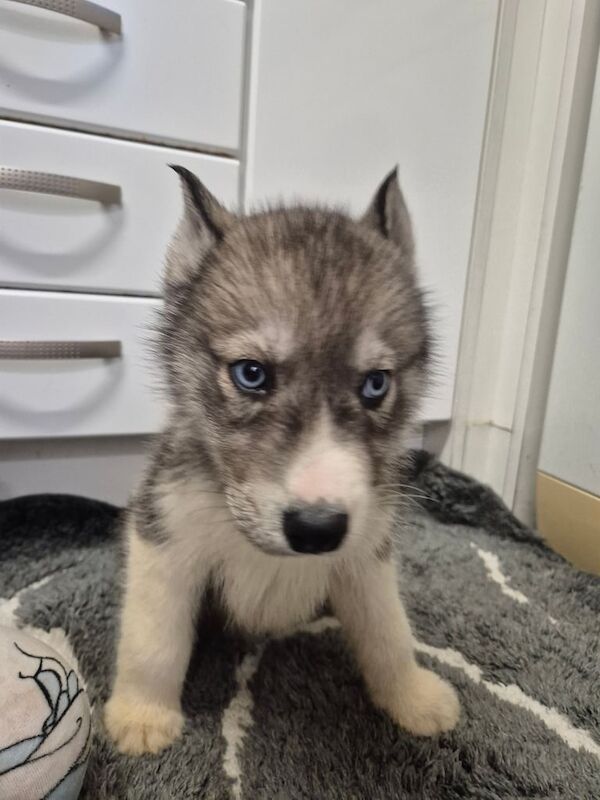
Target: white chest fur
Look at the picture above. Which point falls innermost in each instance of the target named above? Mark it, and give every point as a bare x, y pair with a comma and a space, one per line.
272, 594
262, 592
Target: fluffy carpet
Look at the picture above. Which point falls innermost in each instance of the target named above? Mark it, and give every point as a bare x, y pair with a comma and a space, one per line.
508, 622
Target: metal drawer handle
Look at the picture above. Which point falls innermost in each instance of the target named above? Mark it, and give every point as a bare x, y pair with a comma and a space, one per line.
28, 350
83, 10
24, 180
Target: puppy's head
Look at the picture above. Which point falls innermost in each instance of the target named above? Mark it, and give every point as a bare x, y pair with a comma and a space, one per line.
296, 349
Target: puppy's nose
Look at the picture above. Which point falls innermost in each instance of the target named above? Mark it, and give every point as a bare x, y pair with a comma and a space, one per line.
315, 529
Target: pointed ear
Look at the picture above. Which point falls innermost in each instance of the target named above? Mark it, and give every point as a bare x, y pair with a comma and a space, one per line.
203, 225
389, 215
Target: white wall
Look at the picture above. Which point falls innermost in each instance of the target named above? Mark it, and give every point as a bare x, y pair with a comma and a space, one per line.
571, 439
343, 90
105, 468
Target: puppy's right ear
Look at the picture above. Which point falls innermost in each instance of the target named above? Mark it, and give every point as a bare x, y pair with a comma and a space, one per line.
203, 225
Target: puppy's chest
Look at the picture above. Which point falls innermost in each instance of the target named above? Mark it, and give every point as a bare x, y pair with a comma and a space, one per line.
272, 595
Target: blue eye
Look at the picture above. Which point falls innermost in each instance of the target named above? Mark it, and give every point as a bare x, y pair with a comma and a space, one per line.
374, 388
250, 376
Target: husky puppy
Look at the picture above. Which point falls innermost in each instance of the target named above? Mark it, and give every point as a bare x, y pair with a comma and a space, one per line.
295, 344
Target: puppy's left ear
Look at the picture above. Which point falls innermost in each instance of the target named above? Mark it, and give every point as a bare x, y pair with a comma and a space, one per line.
389, 215
201, 207
202, 227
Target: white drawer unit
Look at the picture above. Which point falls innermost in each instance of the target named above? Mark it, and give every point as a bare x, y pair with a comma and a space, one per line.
169, 72
113, 389
262, 100
85, 244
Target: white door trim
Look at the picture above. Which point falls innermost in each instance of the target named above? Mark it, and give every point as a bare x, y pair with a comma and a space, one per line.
540, 98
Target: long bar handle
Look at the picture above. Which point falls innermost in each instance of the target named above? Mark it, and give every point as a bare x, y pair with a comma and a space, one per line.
24, 180
84, 10
45, 350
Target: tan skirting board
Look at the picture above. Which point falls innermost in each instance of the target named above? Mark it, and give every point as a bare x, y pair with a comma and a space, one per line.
569, 519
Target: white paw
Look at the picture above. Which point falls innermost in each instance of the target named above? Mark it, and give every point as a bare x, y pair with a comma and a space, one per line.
424, 704
137, 727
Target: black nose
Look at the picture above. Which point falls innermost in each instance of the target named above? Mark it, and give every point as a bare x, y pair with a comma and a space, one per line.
314, 529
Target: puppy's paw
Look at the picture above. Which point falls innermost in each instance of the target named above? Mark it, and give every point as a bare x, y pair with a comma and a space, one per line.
424, 704
137, 727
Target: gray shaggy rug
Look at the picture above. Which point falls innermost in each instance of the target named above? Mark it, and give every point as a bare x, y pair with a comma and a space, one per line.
513, 626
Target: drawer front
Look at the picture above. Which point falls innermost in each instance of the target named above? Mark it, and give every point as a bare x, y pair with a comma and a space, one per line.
80, 244
78, 397
174, 74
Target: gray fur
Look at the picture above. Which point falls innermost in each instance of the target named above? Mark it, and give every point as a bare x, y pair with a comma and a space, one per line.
384, 550
313, 732
201, 227
389, 214
326, 279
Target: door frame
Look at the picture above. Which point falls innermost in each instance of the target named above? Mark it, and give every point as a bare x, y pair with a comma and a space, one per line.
545, 58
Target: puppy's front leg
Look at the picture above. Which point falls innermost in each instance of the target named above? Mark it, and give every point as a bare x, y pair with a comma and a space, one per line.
367, 603
143, 714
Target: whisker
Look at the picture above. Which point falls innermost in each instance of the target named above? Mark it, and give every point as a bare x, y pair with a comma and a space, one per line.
412, 491
400, 496
399, 485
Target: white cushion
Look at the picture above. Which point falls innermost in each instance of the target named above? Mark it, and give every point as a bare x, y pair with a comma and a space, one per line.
45, 722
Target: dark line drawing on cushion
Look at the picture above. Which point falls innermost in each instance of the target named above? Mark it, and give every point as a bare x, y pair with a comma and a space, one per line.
67, 728
59, 691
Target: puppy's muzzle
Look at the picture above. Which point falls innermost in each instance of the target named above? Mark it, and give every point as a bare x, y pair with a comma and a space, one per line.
315, 528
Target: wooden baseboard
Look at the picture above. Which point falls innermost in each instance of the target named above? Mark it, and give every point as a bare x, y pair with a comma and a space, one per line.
569, 519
